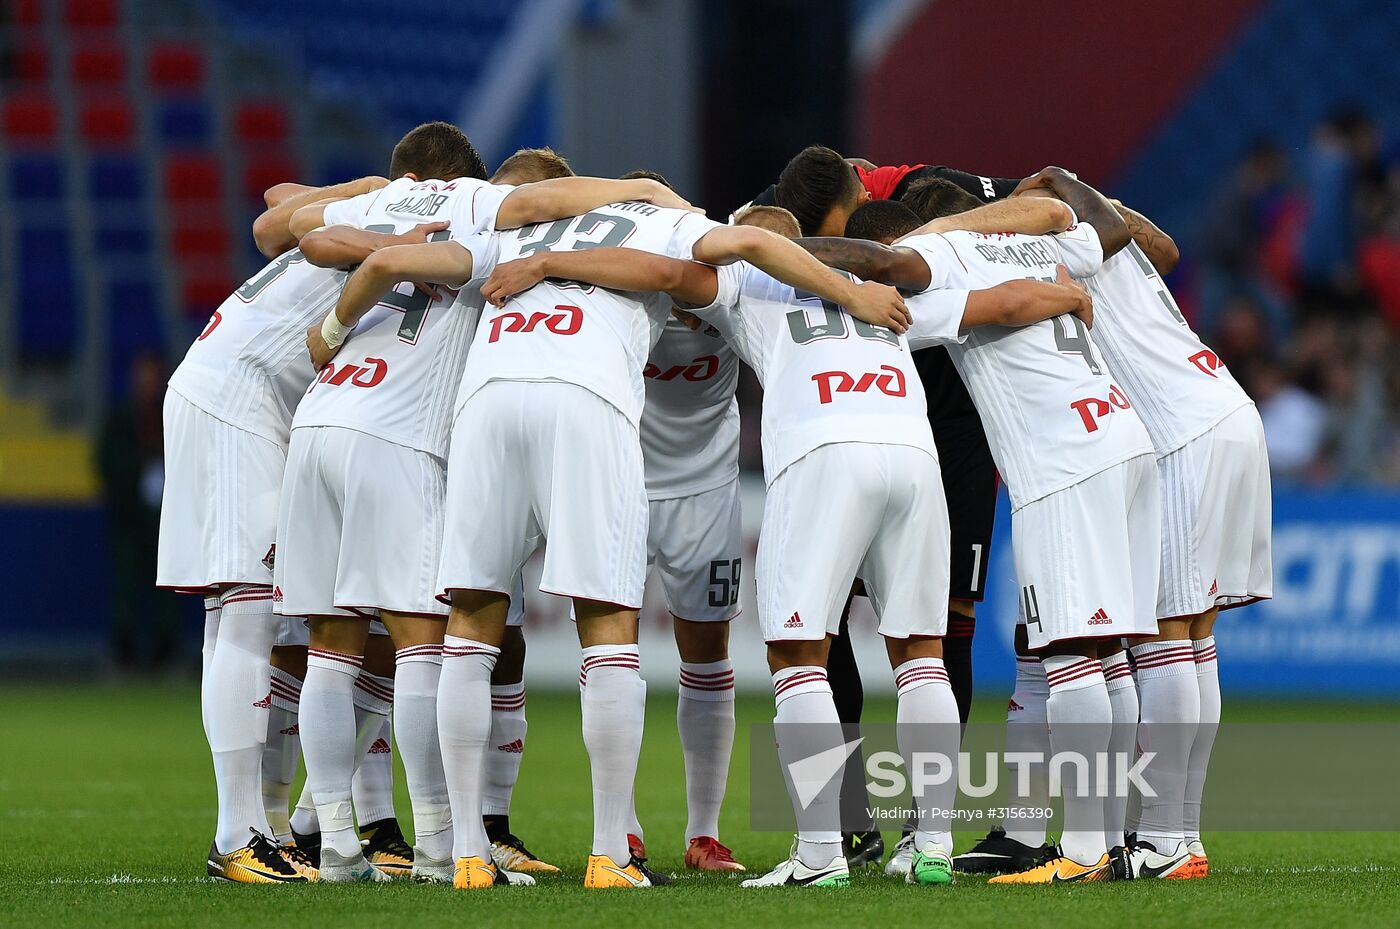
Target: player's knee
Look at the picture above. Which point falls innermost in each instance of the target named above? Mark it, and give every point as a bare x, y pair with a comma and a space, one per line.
604, 623
914, 646
409, 630
343, 634
510, 665
793, 654
291, 659
701, 643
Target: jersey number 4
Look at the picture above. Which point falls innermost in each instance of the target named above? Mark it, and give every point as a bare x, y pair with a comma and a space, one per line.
414, 304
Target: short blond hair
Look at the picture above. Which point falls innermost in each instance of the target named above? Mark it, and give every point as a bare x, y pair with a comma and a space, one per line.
532, 164
773, 218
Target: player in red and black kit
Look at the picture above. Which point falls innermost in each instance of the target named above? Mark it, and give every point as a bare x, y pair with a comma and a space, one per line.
824, 191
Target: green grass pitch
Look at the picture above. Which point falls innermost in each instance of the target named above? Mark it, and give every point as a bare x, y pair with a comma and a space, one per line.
106, 813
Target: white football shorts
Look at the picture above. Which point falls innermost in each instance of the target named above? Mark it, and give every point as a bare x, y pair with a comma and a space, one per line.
848, 510
361, 526
1087, 556
218, 514
545, 462
695, 544
1217, 519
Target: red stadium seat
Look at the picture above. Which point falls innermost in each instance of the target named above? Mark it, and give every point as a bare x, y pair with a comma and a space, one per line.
107, 122
176, 67
28, 12
32, 63
261, 173
91, 14
193, 178
261, 123
200, 239
205, 286
99, 64
30, 118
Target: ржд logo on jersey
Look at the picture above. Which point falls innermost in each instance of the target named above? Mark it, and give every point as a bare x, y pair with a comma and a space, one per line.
1092, 409
367, 374
700, 369
1207, 360
830, 383
567, 322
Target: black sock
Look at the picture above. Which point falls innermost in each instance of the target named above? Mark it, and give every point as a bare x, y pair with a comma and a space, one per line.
497, 827
957, 660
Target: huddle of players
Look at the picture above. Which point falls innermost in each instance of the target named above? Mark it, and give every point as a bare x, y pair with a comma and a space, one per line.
620, 452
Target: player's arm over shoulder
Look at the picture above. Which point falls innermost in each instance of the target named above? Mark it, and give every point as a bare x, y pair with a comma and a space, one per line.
1023, 302
871, 261
622, 269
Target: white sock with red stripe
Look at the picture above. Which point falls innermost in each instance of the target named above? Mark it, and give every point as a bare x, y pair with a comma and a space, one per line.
1170, 712
281, 754
705, 719
805, 707
464, 729
328, 742
507, 747
1081, 724
1208, 686
1122, 696
372, 786
614, 710
236, 703
1028, 732
927, 724
417, 671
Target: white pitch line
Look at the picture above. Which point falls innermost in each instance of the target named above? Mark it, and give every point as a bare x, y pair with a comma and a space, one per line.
1316, 869
126, 879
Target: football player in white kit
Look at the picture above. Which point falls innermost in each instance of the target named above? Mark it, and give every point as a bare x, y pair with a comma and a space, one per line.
545, 446
1077, 461
228, 413
844, 423
360, 527
1216, 531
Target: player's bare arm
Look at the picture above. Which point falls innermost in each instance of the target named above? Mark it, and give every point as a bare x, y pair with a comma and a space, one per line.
570, 196
344, 246
871, 261
1159, 247
433, 263
1088, 204
1026, 215
278, 193
783, 259
624, 269
1021, 303
273, 230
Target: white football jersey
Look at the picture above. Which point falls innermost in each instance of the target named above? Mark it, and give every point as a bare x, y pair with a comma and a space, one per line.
397, 374
827, 377
1052, 411
690, 426
1179, 387
249, 367
576, 333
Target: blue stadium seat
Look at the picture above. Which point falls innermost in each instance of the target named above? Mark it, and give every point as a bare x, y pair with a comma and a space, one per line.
116, 177
37, 177
184, 122
122, 236
133, 326
46, 296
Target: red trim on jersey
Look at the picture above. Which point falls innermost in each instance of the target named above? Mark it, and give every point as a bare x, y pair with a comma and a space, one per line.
882, 181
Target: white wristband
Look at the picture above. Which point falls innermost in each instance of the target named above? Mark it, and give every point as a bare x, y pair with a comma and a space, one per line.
333, 332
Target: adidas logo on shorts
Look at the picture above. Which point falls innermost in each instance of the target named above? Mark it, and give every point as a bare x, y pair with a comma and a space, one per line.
277, 595
794, 622
1100, 618
1214, 588
515, 747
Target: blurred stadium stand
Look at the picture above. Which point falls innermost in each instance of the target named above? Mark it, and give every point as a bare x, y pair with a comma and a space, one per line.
137, 137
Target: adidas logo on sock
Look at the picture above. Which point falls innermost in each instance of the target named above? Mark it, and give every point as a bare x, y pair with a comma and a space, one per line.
1100, 618
380, 747
293, 729
1012, 706
515, 747
265, 703
794, 622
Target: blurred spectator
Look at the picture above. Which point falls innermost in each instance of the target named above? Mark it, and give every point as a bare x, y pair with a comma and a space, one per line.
1294, 422
1340, 175
131, 464
1235, 232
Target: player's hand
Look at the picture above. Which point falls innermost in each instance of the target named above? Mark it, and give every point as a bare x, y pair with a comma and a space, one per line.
419, 233
512, 278
880, 305
1085, 312
1040, 179
668, 198
321, 353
